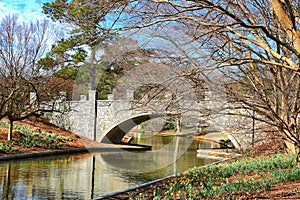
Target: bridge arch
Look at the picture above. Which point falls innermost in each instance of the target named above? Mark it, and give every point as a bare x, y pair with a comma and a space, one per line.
116, 132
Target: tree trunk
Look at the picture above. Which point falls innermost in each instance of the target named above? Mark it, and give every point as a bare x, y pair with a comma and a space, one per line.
297, 152
92, 70
280, 9
10, 130
178, 128
295, 149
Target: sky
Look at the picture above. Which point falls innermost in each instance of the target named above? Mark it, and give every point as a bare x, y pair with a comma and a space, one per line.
26, 9
32, 9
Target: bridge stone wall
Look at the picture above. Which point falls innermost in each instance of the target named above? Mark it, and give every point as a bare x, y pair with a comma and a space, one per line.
93, 118
111, 112
79, 117
88, 116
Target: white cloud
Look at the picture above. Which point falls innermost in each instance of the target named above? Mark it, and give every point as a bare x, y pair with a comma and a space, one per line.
30, 10
27, 10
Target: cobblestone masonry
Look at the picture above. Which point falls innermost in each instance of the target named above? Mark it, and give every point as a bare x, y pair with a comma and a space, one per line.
95, 118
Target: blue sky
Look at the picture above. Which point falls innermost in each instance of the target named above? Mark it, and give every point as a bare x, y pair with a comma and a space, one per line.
26, 9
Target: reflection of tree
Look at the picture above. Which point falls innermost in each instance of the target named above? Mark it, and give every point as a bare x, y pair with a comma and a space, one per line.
6, 182
93, 178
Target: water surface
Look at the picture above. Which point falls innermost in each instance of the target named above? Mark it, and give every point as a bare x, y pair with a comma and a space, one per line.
90, 175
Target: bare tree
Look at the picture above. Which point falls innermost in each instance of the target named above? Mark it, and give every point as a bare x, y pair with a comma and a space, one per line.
253, 26
253, 44
22, 45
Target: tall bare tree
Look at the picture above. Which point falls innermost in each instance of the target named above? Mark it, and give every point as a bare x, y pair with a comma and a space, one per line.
22, 45
254, 44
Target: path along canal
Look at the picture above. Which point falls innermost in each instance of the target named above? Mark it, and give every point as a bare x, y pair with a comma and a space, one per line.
90, 175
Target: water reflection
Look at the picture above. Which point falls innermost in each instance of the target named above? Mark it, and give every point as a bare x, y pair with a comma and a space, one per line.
87, 176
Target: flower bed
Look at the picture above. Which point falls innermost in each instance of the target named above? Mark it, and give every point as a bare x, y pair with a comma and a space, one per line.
236, 179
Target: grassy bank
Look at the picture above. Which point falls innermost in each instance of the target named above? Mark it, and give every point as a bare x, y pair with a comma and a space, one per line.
237, 179
28, 139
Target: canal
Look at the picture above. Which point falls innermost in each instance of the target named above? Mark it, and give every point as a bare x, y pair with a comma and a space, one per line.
90, 175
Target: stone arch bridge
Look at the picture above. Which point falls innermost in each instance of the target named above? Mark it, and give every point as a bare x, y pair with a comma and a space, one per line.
109, 120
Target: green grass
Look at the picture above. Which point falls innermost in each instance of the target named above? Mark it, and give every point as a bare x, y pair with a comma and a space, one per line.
228, 179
